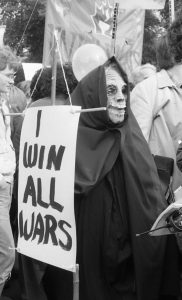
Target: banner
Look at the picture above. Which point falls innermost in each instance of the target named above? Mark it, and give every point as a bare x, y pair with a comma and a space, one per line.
144, 4
91, 21
46, 186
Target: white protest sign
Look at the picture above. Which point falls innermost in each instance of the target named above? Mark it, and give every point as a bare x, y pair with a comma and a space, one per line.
46, 186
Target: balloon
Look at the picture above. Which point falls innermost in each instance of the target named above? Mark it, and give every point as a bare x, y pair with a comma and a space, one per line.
86, 58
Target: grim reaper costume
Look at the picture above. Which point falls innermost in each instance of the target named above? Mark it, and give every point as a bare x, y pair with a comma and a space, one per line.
117, 195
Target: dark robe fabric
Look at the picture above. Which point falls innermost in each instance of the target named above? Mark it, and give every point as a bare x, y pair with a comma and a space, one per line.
117, 195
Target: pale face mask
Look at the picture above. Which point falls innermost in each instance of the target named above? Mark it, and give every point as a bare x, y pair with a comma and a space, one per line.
116, 90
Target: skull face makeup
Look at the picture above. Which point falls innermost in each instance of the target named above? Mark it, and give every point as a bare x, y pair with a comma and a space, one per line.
117, 95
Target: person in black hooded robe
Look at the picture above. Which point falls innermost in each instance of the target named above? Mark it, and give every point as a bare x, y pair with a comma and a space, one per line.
117, 195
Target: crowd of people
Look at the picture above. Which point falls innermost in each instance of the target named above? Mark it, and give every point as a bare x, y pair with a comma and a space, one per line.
128, 165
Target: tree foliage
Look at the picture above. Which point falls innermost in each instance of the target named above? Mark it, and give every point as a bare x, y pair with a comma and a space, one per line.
24, 20
152, 29
165, 13
156, 23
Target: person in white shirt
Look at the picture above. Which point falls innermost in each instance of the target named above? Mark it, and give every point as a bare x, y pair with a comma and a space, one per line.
157, 105
8, 63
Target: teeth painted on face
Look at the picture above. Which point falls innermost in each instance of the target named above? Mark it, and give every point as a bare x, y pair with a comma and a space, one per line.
117, 107
117, 113
116, 117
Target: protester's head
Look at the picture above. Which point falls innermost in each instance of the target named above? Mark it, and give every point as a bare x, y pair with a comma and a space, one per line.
142, 72
169, 46
116, 89
5, 83
9, 65
41, 83
9, 62
106, 86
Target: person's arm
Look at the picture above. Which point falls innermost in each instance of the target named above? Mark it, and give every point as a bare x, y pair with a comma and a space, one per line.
142, 105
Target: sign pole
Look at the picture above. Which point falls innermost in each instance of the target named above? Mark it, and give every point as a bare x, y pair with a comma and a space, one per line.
76, 284
171, 11
114, 29
54, 72
53, 97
